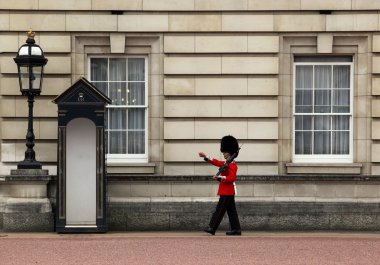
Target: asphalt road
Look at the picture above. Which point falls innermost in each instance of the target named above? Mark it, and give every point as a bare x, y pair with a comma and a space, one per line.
190, 248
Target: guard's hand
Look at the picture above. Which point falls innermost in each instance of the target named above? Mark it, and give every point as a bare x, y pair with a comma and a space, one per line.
201, 154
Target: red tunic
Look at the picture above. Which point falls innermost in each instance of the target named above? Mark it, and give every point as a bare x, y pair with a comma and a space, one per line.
226, 186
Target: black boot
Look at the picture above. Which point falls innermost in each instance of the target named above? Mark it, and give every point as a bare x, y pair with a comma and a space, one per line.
209, 230
233, 233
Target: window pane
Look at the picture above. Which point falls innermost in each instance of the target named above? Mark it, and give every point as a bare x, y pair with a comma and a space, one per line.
304, 76
99, 69
322, 142
118, 69
136, 142
117, 119
304, 101
136, 69
136, 119
322, 101
118, 93
341, 101
322, 122
136, 93
303, 122
303, 143
117, 142
341, 144
341, 76
322, 76
341, 123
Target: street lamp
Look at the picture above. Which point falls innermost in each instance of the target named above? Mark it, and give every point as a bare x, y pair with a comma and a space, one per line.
30, 62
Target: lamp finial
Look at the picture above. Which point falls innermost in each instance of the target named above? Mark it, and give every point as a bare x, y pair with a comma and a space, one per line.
31, 34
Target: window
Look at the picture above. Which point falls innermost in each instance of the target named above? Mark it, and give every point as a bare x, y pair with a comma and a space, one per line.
322, 111
124, 81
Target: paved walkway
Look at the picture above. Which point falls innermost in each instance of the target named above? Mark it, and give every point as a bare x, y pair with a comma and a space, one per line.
190, 248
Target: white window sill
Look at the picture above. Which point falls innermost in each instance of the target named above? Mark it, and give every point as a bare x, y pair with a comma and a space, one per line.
131, 168
324, 168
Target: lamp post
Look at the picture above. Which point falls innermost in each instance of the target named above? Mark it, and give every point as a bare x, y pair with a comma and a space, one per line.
30, 62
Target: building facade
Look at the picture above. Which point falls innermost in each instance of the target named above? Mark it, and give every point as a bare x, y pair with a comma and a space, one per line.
296, 81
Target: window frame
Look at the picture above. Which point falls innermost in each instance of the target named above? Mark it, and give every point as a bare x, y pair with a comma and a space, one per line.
323, 158
126, 158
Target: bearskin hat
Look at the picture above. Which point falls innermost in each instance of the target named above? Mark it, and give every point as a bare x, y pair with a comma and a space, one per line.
229, 144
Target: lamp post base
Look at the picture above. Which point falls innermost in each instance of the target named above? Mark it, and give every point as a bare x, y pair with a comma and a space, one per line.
27, 164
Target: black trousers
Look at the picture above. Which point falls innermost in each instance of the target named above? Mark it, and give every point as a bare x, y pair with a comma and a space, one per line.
226, 203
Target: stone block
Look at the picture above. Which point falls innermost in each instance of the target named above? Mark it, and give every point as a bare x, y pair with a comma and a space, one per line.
325, 43
8, 152
7, 65
365, 5
179, 43
244, 189
66, 5
9, 42
10, 86
219, 86
375, 65
298, 22
150, 190
179, 129
39, 22
179, 86
375, 86
20, 4
262, 169
143, 22
259, 152
91, 22
376, 43
263, 44
192, 190
117, 5
215, 129
250, 65
326, 5
173, 169
284, 190
192, 108
249, 108
228, 5
221, 44
4, 21
58, 65
16, 129
8, 107
266, 129
57, 43
187, 152
366, 191
263, 86
375, 155
195, 23
352, 22
48, 129
54, 86
274, 5
168, 5
193, 65
375, 129
247, 22
375, 108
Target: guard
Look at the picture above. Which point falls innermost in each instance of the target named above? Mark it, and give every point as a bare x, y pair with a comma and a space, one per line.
226, 176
